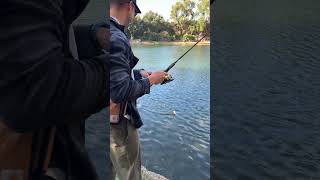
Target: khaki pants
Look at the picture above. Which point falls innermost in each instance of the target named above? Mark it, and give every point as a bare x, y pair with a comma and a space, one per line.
125, 151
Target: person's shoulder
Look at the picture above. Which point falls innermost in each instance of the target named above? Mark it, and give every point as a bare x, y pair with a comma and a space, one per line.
117, 33
119, 38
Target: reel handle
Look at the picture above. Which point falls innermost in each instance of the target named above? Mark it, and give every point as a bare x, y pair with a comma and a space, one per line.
168, 79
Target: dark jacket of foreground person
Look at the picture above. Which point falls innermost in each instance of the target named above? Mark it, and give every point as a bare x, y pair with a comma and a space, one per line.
42, 85
124, 87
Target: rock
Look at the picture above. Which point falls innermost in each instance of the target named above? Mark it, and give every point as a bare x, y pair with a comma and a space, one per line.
148, 175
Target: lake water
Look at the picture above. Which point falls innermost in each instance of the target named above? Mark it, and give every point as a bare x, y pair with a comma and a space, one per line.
177, 146
265, 90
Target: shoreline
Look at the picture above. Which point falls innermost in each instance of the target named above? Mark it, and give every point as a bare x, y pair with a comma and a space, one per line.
152, 43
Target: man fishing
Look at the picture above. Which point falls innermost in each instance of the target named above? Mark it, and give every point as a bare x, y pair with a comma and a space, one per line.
126, 85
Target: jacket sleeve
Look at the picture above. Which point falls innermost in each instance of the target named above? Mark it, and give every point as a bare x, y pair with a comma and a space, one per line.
40, 85
137, 75
122, 87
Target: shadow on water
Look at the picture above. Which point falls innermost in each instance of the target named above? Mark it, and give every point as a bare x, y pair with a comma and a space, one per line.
266, 72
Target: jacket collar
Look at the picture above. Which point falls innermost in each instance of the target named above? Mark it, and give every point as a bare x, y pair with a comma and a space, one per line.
115, 22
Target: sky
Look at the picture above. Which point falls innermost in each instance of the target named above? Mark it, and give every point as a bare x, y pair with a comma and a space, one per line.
162, 7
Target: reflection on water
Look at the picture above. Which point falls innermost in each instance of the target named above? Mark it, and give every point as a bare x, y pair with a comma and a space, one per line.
266, 73
176, 146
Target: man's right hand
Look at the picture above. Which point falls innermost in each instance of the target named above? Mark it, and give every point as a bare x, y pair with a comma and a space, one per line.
157, 77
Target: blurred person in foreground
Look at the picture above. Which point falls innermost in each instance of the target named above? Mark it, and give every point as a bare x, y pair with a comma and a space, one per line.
46, 91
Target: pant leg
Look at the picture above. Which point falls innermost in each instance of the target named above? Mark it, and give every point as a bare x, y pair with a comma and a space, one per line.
134, 153
125, 151
118, 155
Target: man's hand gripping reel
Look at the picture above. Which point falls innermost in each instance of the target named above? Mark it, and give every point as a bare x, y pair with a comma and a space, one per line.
168, 78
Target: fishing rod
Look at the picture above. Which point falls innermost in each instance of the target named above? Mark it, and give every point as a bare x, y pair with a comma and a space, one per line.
169, 77
174, 63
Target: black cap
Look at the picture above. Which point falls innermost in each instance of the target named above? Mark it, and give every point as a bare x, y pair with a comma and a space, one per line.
136, 6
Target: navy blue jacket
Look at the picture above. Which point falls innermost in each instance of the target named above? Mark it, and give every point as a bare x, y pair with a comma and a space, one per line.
123, 87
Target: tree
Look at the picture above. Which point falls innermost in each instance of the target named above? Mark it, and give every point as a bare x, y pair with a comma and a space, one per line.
182, 14
149, 27
203, 8
190, 18
155, 21
136, 28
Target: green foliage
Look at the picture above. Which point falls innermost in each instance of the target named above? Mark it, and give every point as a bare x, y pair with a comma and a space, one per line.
151, 36
136, 28
203, 23
150, 27
182, 14
189, 20
189, 37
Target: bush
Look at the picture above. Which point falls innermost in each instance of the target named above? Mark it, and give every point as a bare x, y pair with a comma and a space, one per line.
164, 36
151, 36
189, 37
172, 38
